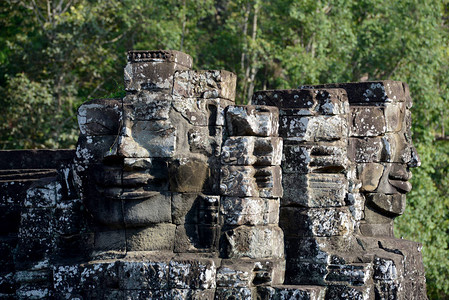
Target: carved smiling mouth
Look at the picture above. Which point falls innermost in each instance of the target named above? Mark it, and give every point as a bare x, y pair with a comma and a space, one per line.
117, 184
400, 180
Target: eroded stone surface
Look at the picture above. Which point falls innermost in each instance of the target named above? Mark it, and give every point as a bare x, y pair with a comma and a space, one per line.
174, 193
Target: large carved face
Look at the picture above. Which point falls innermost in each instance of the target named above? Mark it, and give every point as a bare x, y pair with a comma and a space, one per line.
133, 153
380, 144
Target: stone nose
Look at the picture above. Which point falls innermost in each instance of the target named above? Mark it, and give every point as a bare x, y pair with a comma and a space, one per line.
415, 161
126, 147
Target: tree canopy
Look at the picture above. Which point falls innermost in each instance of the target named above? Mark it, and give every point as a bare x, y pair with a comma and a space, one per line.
55, 54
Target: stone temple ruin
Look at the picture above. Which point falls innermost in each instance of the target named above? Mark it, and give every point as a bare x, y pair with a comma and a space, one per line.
175, 192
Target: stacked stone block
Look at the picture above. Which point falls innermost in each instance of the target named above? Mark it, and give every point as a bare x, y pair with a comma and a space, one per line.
381, 151
346, 164
153, 157
314, 126
175, 193
252, 244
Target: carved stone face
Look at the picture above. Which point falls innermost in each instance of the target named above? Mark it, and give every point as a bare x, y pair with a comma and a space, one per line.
381, 147
133, 153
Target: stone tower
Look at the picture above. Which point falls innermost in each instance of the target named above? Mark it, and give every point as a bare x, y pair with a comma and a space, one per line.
175, 192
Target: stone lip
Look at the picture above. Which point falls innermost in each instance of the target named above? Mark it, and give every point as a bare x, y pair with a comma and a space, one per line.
161, 56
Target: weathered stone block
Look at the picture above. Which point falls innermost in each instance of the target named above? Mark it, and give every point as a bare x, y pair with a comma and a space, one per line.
251, 150
316, 221
252, 120
43, 193
367, 121
343, 292
238, 181
157, 237
192, 294
147, 106
243, 293
100, 117
110, 240
269, 181
389, 204
205, 84
188, 175
310, 129
305, 249
384, 269
99, 275
184, 208
68, 217
145, 294
331, 101
314, 158
154, 210
287, 292
307, 101
253, 242
66, 281
91, 150
234, 273
205, 140
202, 112
154, 70
285, 99
388, 290
414, 289
396, 148
303, 272
249, 273
35, 243
377, 230
375, 217
246, 181
196, 238
353, 274
194, 208
365, 150
370, 92
143, 275
74, 246
249, 211
193, 273
269, 272
411, 258
314, 190
34, 291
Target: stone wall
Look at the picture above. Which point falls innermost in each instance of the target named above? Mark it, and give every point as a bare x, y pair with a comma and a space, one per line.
174, 192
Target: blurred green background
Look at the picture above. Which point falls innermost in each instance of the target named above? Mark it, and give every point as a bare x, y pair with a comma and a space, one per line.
56, 54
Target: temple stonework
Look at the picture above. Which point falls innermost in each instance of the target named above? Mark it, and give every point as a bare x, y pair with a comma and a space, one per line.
175, 192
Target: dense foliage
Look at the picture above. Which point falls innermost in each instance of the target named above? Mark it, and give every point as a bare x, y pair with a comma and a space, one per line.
56, 54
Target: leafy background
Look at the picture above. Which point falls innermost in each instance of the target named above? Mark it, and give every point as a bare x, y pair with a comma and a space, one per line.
55, 54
